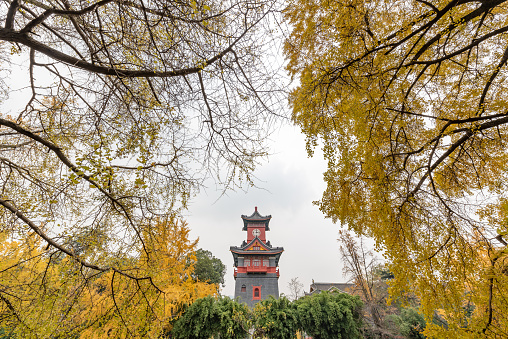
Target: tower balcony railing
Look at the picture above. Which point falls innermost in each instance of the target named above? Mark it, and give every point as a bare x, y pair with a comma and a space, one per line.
256, 269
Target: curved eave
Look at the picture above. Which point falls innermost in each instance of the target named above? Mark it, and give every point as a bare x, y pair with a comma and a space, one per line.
239, 251
265, 223
251, 243
259, 241
256, 218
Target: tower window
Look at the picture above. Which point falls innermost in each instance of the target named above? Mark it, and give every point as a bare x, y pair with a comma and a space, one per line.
256, 292
244, 288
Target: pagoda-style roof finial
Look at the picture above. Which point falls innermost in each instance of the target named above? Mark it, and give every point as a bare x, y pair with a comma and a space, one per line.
257, 219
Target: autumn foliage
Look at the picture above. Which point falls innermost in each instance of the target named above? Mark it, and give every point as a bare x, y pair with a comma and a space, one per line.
116, 118
408, 101
45, 294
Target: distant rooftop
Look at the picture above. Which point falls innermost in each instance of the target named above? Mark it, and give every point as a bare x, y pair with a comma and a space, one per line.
318, 287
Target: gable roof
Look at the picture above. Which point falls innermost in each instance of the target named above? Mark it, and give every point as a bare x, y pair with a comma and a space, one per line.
323, 286
264, 248
266, 251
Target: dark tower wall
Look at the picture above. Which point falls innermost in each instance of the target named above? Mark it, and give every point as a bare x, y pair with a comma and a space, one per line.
269, 284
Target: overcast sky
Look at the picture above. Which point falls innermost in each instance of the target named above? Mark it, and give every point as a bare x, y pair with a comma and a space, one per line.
289, 181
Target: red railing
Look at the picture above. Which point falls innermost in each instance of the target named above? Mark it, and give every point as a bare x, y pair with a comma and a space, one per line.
256, 269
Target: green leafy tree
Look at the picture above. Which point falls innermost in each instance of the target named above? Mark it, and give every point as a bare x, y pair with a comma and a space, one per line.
275, 319
4, 334
208, 268
200, 320
410, 323
209, 316
409, 102
234, 319
330, 315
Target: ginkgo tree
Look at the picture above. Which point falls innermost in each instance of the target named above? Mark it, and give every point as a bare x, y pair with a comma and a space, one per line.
46, 294
408, 100
113, 115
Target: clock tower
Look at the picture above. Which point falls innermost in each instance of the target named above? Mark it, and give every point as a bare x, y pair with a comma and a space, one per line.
256, 262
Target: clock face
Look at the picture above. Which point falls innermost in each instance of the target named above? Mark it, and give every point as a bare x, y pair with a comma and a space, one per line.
256, 232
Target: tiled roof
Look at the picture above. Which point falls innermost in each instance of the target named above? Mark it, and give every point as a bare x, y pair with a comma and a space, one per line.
320, 286
269, 251
257, 218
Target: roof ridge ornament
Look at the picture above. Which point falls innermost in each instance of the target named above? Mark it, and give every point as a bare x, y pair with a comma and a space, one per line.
256, 218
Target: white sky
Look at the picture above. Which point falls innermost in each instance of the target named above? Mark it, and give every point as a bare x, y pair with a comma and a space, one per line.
288, 182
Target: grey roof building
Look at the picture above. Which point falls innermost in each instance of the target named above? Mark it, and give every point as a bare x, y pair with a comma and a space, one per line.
318, 287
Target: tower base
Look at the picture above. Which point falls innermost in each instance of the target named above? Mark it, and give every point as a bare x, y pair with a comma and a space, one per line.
246, 283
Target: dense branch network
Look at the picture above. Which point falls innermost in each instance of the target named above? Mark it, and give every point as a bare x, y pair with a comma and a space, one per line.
127, 91
127, 106
409, 99
423, 69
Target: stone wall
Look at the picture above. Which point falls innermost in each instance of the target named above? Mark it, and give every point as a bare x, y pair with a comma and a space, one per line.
269, 286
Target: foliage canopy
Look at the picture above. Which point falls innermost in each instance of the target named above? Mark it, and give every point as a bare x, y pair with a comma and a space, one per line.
276, 319
209, 316
38, 285
410, 323
128, 106
330, 315
208, 268
409, 101
325, 315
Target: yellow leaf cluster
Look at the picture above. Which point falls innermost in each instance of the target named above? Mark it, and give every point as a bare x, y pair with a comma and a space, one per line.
46, 295
408, 101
